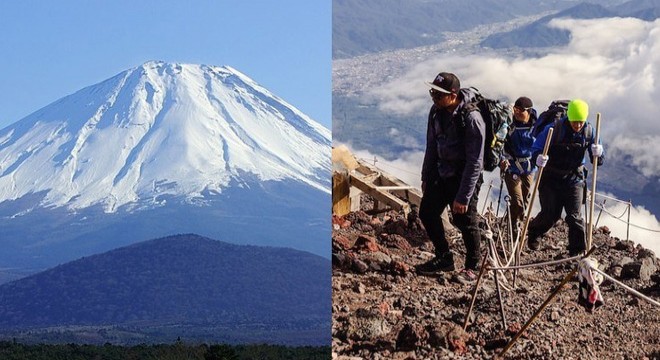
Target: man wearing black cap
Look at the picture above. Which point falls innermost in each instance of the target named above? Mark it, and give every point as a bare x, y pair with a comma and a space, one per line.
451, 173
517, 163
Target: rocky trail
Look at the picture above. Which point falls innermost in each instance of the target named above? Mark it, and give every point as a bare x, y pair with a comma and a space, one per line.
383, 310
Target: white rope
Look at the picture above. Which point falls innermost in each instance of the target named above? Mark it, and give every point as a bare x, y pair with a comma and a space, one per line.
611, 198
602, 206
631, 224
538, 264
633, 291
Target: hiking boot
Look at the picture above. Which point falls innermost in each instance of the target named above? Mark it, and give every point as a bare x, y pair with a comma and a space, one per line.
465, 277
436, 265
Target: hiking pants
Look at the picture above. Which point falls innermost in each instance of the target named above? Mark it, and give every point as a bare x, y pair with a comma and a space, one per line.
555, 196
437, 196
518, 187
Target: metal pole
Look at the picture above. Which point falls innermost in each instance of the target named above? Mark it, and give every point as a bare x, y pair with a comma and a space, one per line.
544, 305
486, 198
499, 199
600, 212
628, 227
507, 199
476, 288
593, 186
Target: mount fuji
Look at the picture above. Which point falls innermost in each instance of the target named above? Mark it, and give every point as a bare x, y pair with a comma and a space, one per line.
157, 150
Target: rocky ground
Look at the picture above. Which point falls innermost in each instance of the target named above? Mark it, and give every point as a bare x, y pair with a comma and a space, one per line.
383, 310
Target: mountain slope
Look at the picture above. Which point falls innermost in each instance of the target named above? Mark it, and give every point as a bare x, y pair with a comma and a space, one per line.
539, 34
179, 280
159, 129
157, 150
369, 26
381, 307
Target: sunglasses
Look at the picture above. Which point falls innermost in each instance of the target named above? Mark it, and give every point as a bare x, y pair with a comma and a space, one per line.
437, 94
520, 109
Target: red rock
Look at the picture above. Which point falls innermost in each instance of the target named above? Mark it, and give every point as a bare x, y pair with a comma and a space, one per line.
384, 308
340, 243
366, 243
399, 267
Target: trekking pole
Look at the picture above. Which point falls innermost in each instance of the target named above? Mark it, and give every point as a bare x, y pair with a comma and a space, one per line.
484, 265
499, 199
586, 210
521, 235
568, 277
507, 199
486, 198
593, 186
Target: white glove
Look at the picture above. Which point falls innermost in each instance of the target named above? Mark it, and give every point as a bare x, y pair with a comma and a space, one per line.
597, 150
541, 160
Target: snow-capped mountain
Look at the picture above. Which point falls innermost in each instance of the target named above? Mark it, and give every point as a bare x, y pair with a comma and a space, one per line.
158, 150
159, 129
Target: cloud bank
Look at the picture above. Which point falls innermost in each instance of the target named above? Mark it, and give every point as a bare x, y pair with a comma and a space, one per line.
613, 64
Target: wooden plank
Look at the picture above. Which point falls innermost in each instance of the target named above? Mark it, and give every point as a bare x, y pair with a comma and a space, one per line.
378, 195
413, 196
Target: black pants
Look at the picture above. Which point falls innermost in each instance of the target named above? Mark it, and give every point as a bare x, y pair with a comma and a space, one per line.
437, 196
555, 195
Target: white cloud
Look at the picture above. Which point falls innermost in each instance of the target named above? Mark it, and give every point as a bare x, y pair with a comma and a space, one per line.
613, 64
403, 139
644, 227
408, 167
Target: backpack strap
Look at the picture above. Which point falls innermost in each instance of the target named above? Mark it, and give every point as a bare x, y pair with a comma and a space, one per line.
560, 133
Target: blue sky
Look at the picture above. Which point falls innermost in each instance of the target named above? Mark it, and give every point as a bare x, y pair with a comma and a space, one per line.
51, 49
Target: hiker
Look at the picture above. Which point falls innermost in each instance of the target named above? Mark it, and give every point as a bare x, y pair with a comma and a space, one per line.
451, 174
516, 164
563, 182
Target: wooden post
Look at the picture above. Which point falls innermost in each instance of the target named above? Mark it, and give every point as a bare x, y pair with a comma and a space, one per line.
522, 233
593, 187
341, 201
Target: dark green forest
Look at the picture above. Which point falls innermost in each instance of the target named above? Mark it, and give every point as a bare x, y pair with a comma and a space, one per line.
176, 351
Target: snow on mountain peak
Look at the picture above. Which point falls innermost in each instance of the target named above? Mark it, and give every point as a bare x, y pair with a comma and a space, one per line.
160, 129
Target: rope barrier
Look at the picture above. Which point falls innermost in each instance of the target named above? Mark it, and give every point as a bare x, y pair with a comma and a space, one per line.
629, 223
612, 198
633, 291
526, 266
602, 206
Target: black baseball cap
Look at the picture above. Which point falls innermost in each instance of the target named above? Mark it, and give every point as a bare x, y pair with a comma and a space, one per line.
524, 102
446, 82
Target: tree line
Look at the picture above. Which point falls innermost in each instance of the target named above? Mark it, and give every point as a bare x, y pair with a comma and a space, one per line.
178, 350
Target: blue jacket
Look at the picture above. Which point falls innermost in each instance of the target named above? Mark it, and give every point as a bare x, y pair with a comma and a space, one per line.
566, 151
518, 147
454, 149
